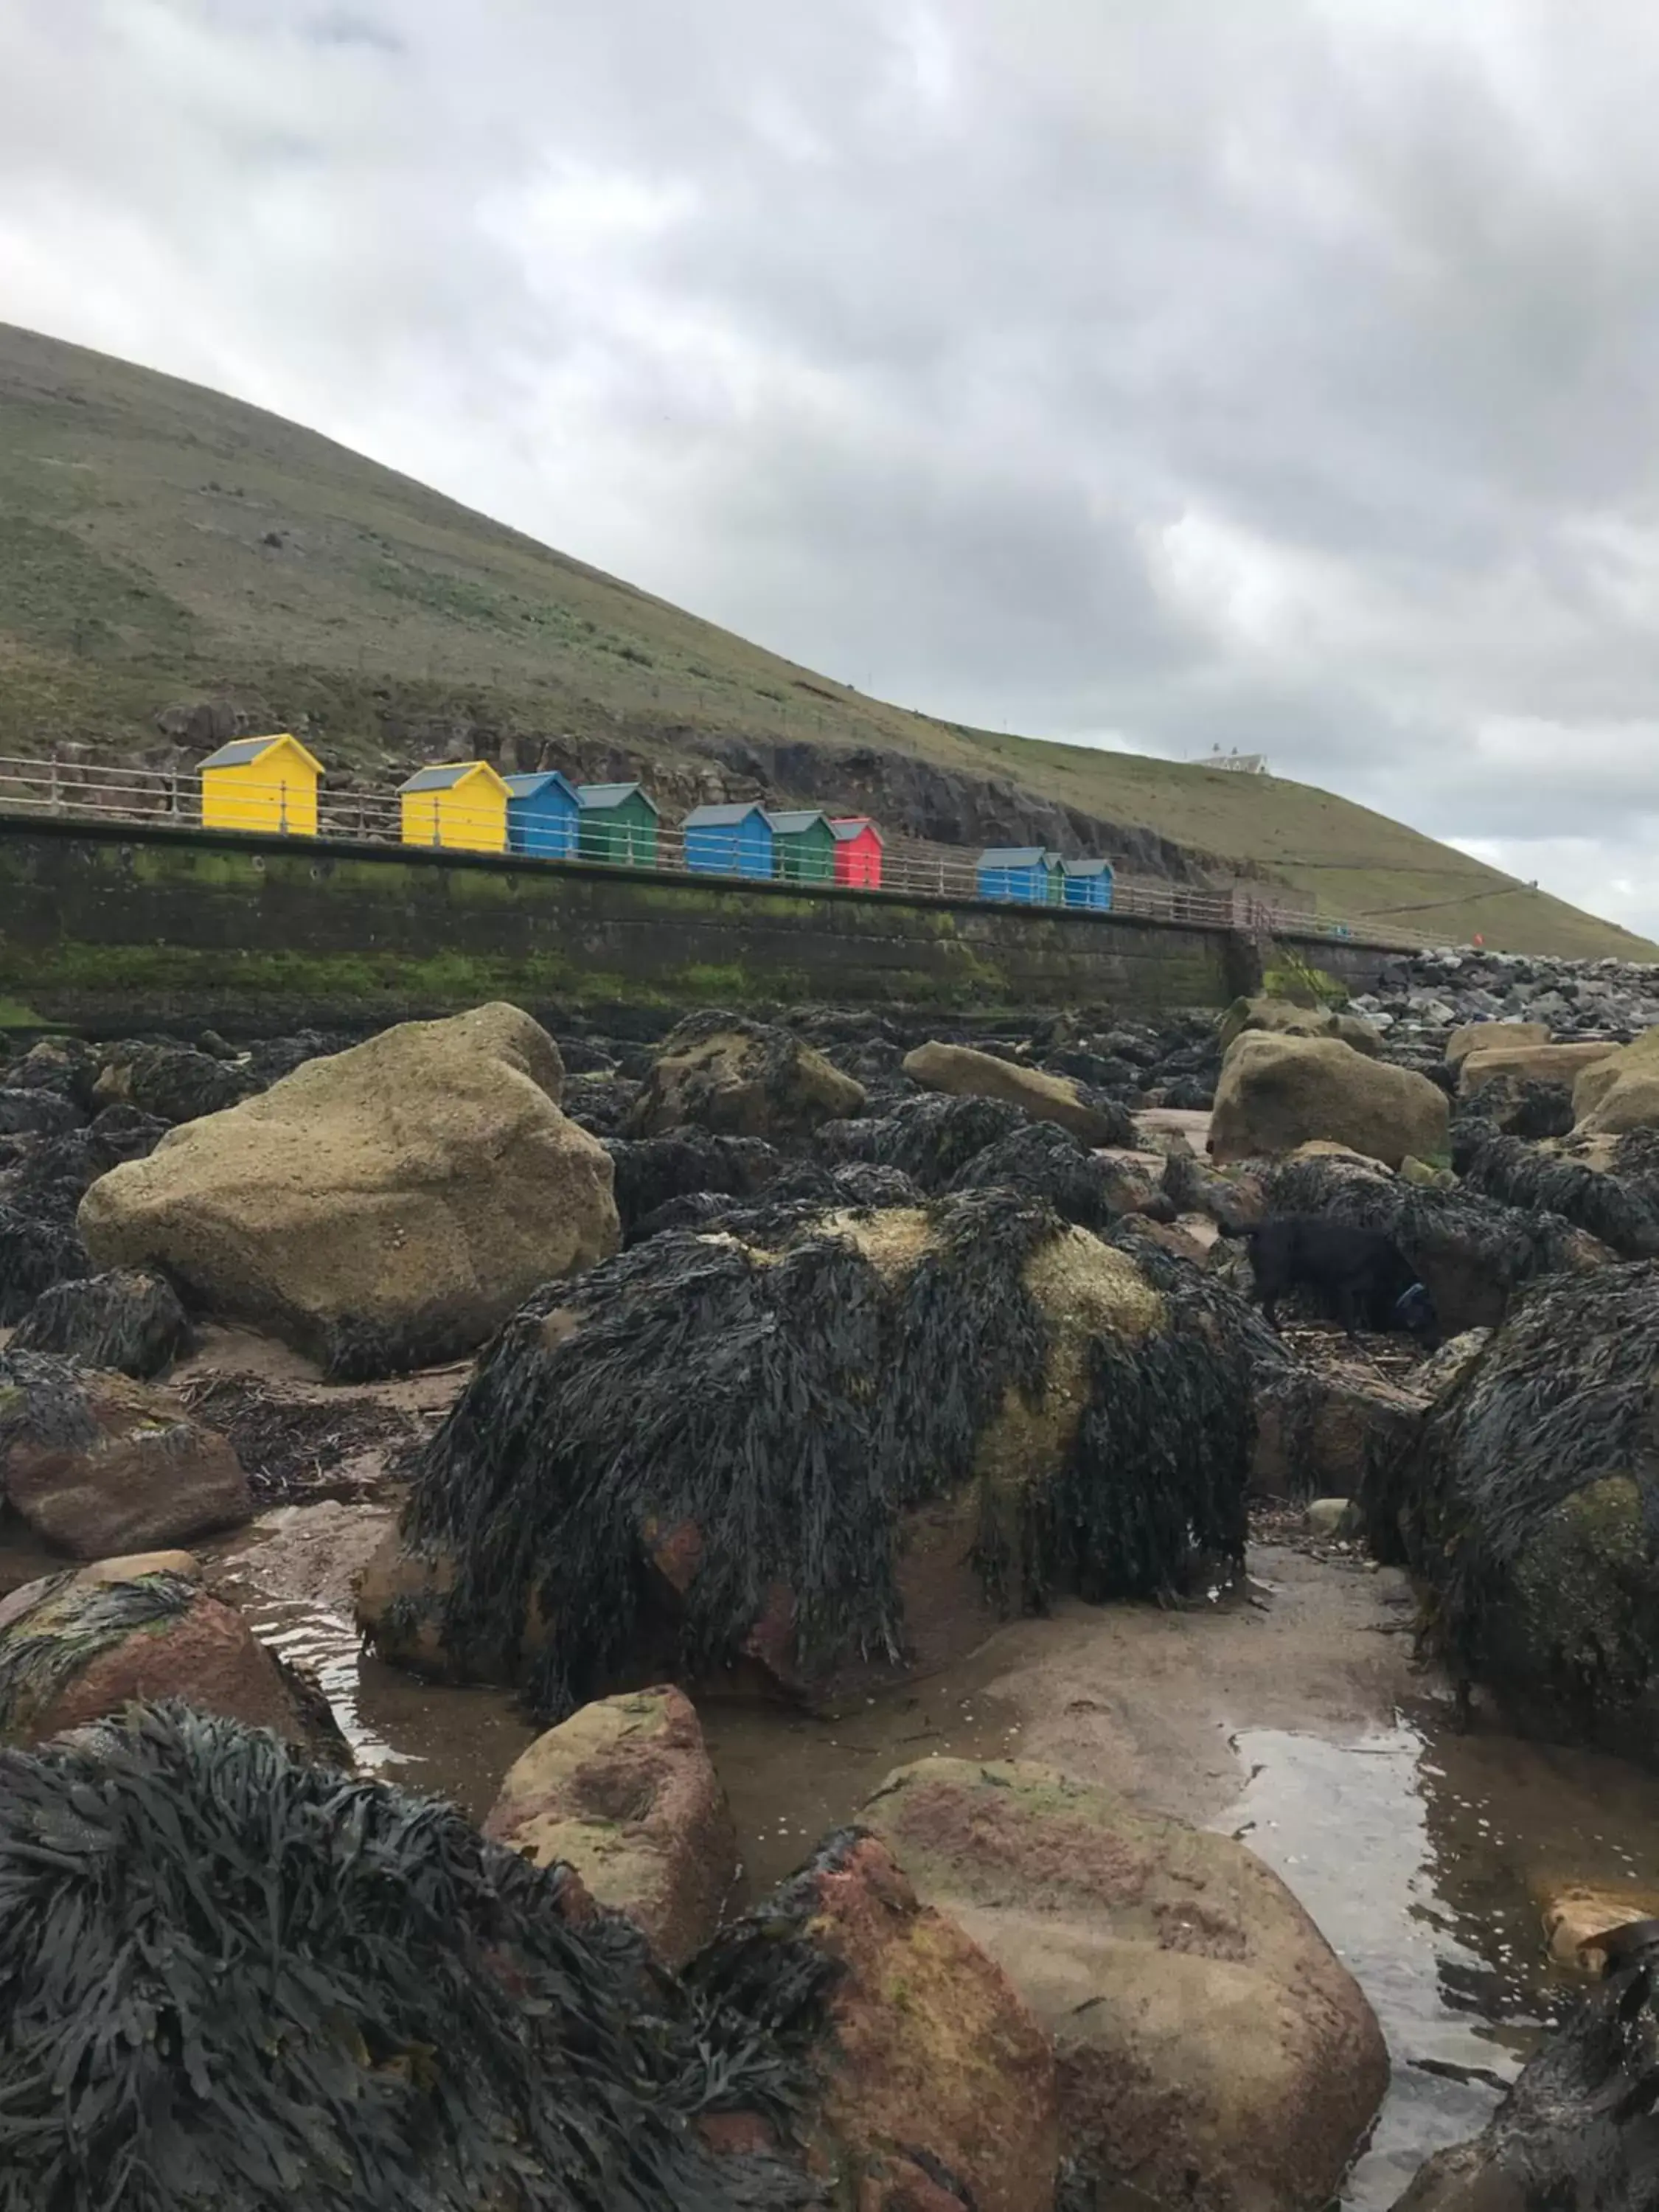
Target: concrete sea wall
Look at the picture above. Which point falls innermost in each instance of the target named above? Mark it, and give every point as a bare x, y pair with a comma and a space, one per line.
118, 928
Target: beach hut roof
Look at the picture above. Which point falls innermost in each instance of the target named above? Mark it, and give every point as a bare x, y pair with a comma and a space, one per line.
526, 786
600, 797
848, 826
723, 817
242, 752
445, 774
1012, 856
791, 822
1086, 867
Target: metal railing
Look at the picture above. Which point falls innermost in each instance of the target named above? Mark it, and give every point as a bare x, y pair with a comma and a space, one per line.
96, 791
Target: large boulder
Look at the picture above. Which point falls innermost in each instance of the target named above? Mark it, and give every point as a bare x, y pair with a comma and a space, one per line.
936, 2087
381, 1209
1213, 2051
95, 1463
235, 1978
1281, 1017
961, 1072
741, 1078
1494, 1036
1528, 1504
127, 1320
1613, 1096
1577, 2127
624, 1792
801, 1455
1277, 1092
1533, 1063
1619, 1213
77, 1647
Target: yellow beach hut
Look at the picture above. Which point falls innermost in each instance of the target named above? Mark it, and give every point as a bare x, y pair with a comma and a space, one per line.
460, 804
261, 783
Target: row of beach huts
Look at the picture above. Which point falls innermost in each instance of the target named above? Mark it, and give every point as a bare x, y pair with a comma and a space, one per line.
271, 783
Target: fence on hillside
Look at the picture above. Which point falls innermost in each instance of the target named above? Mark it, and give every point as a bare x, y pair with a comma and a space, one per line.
911, 867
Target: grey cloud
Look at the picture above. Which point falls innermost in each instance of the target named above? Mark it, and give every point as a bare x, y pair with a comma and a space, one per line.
1285, 376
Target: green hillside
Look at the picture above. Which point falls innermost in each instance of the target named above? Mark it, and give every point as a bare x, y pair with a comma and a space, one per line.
162, 546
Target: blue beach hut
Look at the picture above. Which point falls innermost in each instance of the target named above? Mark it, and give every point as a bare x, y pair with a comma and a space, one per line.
541, 816
1022, 873
1087, 882
729, 841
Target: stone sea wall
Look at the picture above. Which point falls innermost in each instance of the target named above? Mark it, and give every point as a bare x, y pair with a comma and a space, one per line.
148, 926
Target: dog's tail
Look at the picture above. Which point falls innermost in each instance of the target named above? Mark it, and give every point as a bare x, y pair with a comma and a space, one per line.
1229, 1225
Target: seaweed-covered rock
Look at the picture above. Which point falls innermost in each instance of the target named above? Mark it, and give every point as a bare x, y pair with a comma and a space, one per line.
1277, 1092
1049, 1163
713, 1450
38, 1113
651, 1171
741, 1078
1212, 2049
1621, 1215
379, 1210
1280, 1017
1621, 1092
935, 2086
624, 1792
960, 1071
930, 1138
97, 1464
1530, 1503
1473, 1254
127, 1321
416, 2017
36, 1251
1521, 1106
68, 1066
78, 1646
171, 1081
1578, 2126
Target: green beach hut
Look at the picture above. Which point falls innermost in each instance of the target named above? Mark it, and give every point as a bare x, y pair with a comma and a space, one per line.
617, 822
804, 845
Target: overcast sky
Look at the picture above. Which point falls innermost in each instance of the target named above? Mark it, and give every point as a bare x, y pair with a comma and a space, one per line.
1277, 374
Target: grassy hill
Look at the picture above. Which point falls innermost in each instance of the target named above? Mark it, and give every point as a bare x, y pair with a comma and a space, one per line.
162, 547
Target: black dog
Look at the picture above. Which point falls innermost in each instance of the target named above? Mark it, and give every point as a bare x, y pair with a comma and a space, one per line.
1360, 1272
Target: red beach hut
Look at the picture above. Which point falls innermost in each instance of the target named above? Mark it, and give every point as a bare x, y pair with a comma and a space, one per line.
857, 851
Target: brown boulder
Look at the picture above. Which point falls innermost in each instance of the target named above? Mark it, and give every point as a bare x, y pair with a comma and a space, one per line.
97, 1464
77, 1647
384, 1207
1613, 1096
1494, 1036
624, 1792
741, 1078
1317, 1429
961, 1072
1278, 1092
1213, 2052
934, 2077
1281, 1017
1533, 1063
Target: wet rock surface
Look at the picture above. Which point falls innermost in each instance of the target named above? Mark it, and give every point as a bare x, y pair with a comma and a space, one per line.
94, 1463
623, 1792
1212, 2049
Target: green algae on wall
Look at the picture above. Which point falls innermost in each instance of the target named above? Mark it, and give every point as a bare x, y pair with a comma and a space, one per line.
151, 927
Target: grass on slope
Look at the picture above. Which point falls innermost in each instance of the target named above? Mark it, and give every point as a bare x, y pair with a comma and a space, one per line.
161, 544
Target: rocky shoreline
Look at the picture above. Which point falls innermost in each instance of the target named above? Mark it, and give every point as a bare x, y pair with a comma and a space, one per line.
785, 1360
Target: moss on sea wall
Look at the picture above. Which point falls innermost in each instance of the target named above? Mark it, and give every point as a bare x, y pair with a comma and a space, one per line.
148, 927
